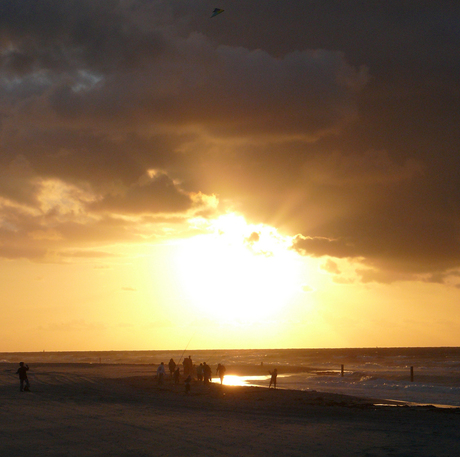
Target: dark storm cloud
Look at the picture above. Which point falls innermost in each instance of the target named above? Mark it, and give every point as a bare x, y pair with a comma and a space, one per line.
337, 121
72, 35
396, 209
319, 247
97, 61
401, 231
221, 90
150, 195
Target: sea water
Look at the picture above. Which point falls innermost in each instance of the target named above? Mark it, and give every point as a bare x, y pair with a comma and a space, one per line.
383, 373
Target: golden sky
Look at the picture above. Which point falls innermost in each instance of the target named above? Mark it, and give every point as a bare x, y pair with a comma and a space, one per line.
261, 179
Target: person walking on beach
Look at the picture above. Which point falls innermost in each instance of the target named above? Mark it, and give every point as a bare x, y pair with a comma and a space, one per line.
221, 372
161, 373
24, 385
177, 376
172, 368
188, 366
274, 374
187, 382
199, 372
187, 369
207, 373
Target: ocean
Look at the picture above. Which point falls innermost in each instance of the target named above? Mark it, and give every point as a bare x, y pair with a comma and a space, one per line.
383, 373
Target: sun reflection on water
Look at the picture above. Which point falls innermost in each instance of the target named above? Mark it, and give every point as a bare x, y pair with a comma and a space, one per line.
234, 380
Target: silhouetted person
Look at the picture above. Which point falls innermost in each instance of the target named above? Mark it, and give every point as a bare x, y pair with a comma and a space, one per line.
199, 372
161, 373
177, 376
172, 368
187, 381
207, 374
221, 372
23, 380
188, 366
274, 374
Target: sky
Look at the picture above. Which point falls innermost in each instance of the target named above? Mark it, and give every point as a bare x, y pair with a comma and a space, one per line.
283, 175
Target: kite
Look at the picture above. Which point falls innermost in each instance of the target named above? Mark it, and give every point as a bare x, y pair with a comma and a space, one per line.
216, 12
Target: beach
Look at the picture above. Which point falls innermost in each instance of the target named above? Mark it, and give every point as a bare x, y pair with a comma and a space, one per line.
78, 409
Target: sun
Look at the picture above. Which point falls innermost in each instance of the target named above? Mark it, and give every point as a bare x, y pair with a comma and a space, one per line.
238, 271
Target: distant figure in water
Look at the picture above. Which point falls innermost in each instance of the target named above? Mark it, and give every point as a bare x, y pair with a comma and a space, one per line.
161, 373
221, 372
23, 379
274, 374
172, 368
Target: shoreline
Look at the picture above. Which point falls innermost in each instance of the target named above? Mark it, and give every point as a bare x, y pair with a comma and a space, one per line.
307, 397
146, 380
120, 411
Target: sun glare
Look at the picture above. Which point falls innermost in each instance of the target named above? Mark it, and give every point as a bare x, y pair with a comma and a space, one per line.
238, 271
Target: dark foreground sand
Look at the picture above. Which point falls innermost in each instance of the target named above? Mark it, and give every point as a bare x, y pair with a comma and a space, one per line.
113, 410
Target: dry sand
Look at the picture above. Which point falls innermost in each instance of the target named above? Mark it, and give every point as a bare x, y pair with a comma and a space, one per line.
118, 410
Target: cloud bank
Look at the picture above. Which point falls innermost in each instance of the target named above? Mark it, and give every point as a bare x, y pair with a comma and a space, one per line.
338, 125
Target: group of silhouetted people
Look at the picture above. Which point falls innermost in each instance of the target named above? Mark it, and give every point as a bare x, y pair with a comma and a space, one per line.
202, 373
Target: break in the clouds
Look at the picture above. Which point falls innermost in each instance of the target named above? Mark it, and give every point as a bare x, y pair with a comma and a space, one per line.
337, 124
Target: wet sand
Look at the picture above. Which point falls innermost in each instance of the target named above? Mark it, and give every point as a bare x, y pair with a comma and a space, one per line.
119, 410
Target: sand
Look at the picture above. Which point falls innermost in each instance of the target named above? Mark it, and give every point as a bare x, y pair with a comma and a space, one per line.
118, 410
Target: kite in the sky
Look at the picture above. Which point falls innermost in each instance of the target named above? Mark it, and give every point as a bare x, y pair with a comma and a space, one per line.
216, 12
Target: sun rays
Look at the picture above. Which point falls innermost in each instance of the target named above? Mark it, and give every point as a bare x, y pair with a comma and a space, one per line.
238, 271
